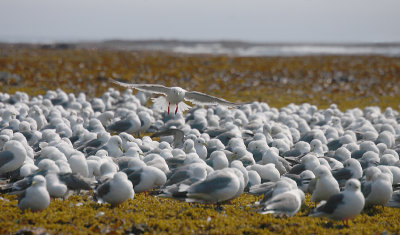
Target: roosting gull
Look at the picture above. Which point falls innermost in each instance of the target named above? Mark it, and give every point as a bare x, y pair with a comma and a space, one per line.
36, 197
175, 96
116, 191
287, 203
12, 157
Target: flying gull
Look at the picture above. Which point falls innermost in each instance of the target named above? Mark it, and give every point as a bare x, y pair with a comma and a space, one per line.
174, 96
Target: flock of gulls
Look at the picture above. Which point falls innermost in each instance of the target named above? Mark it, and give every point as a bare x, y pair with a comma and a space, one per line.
58, 144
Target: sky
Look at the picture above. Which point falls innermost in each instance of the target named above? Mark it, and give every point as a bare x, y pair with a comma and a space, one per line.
338, 21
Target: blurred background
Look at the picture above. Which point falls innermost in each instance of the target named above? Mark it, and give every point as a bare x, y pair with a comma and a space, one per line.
255, 21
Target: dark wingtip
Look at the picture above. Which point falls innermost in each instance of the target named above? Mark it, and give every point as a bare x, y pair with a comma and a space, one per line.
180, 194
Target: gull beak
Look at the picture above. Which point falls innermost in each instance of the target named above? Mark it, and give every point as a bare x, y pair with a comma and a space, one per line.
34, 182
357, 187
204, 144
120, 147
234, 156
141, 154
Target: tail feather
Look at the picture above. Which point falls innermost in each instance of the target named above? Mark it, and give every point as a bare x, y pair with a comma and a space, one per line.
160, 103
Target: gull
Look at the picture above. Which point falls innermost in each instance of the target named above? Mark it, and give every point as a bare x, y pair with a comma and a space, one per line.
174, 96
342, 206
147, 178
379, 191
219, 186
324, 185
12, 157
36, 197
116, 191
287, 203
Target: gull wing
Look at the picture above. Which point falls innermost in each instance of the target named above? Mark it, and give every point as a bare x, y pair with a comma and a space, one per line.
152, 88
332, 204
204, 99
178, 136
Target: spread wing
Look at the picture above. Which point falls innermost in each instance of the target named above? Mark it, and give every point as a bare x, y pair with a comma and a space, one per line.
203, 99
152, 88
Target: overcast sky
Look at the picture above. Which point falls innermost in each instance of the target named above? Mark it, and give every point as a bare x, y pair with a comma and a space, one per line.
250, 20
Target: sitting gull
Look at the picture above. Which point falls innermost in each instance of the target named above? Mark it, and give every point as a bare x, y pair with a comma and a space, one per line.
379, 191
12, 157
287, 203
219, 186
116, 190
175, 96
36, 197
324, 185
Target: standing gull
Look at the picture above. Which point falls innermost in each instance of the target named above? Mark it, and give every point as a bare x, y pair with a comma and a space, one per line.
175, 96
343, 206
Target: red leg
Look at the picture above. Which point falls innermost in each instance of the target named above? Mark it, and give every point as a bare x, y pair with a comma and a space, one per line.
168, 106
176, 110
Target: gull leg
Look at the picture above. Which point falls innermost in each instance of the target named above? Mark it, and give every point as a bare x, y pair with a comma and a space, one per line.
169, 103
176, 110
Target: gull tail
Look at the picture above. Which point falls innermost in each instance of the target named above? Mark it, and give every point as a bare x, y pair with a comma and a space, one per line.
160, 103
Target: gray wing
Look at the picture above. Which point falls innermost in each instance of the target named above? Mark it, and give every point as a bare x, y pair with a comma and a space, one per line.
120, 126
203, 99
291, 153
366, 189
178, 136
282, 203
135, 177
333, 202
22, 196
263, 188
312, 185
334, 145
6, 157
342, 174
103, 190
177, 177
75, 181
152, 88
209, 186
297, 169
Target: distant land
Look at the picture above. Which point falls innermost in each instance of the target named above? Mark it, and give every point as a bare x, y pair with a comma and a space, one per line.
233, 48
